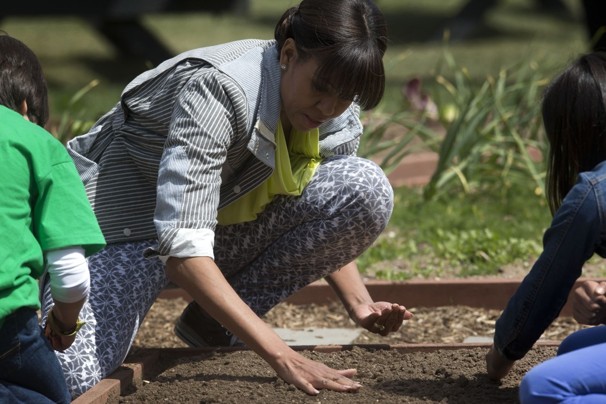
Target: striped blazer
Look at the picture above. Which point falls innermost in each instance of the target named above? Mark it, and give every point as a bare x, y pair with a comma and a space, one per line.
186, 138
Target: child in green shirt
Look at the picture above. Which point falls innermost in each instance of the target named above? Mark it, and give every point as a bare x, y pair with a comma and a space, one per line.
46, 224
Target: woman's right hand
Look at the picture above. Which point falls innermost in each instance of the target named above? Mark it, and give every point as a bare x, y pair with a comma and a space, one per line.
311, 376
589, 303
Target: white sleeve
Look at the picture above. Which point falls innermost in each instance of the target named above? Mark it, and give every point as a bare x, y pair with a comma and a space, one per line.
69, 276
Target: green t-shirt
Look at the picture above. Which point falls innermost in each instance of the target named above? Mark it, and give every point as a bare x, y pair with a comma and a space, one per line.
43, 206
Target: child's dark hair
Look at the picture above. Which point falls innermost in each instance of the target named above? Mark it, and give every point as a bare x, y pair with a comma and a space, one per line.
574, 116
349, 39
22, 79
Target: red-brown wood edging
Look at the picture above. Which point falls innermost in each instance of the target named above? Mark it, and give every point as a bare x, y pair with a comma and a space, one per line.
480, 293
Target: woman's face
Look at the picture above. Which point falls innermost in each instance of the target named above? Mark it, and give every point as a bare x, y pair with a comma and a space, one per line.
303, 105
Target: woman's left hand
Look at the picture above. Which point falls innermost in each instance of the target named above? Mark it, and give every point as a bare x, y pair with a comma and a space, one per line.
381, 317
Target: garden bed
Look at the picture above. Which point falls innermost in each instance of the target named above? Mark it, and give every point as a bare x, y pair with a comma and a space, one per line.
390, 374
393, 371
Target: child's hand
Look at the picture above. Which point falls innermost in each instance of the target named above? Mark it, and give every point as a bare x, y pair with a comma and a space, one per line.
60, 338
497, 366
589, 303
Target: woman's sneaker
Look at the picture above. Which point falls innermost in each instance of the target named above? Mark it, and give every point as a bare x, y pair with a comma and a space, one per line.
197, 329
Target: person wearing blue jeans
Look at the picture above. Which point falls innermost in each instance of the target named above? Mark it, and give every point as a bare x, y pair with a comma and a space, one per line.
47, 227
574, 115
575, 374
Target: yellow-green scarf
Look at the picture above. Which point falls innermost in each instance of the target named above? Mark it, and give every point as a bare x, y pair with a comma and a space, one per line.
296, 161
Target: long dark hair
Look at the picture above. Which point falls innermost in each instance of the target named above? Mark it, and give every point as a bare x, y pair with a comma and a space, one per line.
21, 78
349, 38
574, 116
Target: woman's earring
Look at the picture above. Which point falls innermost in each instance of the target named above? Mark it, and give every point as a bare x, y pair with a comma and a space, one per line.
283, 67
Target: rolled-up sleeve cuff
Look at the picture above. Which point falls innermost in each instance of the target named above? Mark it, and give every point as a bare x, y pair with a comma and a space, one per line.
192, 243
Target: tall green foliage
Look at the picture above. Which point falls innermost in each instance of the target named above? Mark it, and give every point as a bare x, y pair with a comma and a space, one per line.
487, 135
489, 140
496, 137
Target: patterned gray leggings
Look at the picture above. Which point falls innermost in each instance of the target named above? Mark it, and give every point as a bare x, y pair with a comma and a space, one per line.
294, 242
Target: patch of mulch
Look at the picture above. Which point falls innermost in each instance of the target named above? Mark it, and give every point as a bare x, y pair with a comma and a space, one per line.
449, 324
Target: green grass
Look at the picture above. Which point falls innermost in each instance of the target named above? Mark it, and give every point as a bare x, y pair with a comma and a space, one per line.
460, 233
457, 236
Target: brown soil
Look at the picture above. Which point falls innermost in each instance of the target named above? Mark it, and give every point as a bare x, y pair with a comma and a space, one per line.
387, 375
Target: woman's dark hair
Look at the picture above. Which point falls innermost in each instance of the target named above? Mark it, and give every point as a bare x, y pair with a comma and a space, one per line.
21, 78
348, 38
574, 116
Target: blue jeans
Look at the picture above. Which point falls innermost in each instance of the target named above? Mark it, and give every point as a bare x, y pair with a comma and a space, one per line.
576, 375
29, 369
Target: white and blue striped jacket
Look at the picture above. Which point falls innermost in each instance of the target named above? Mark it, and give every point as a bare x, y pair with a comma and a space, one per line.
189, 137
